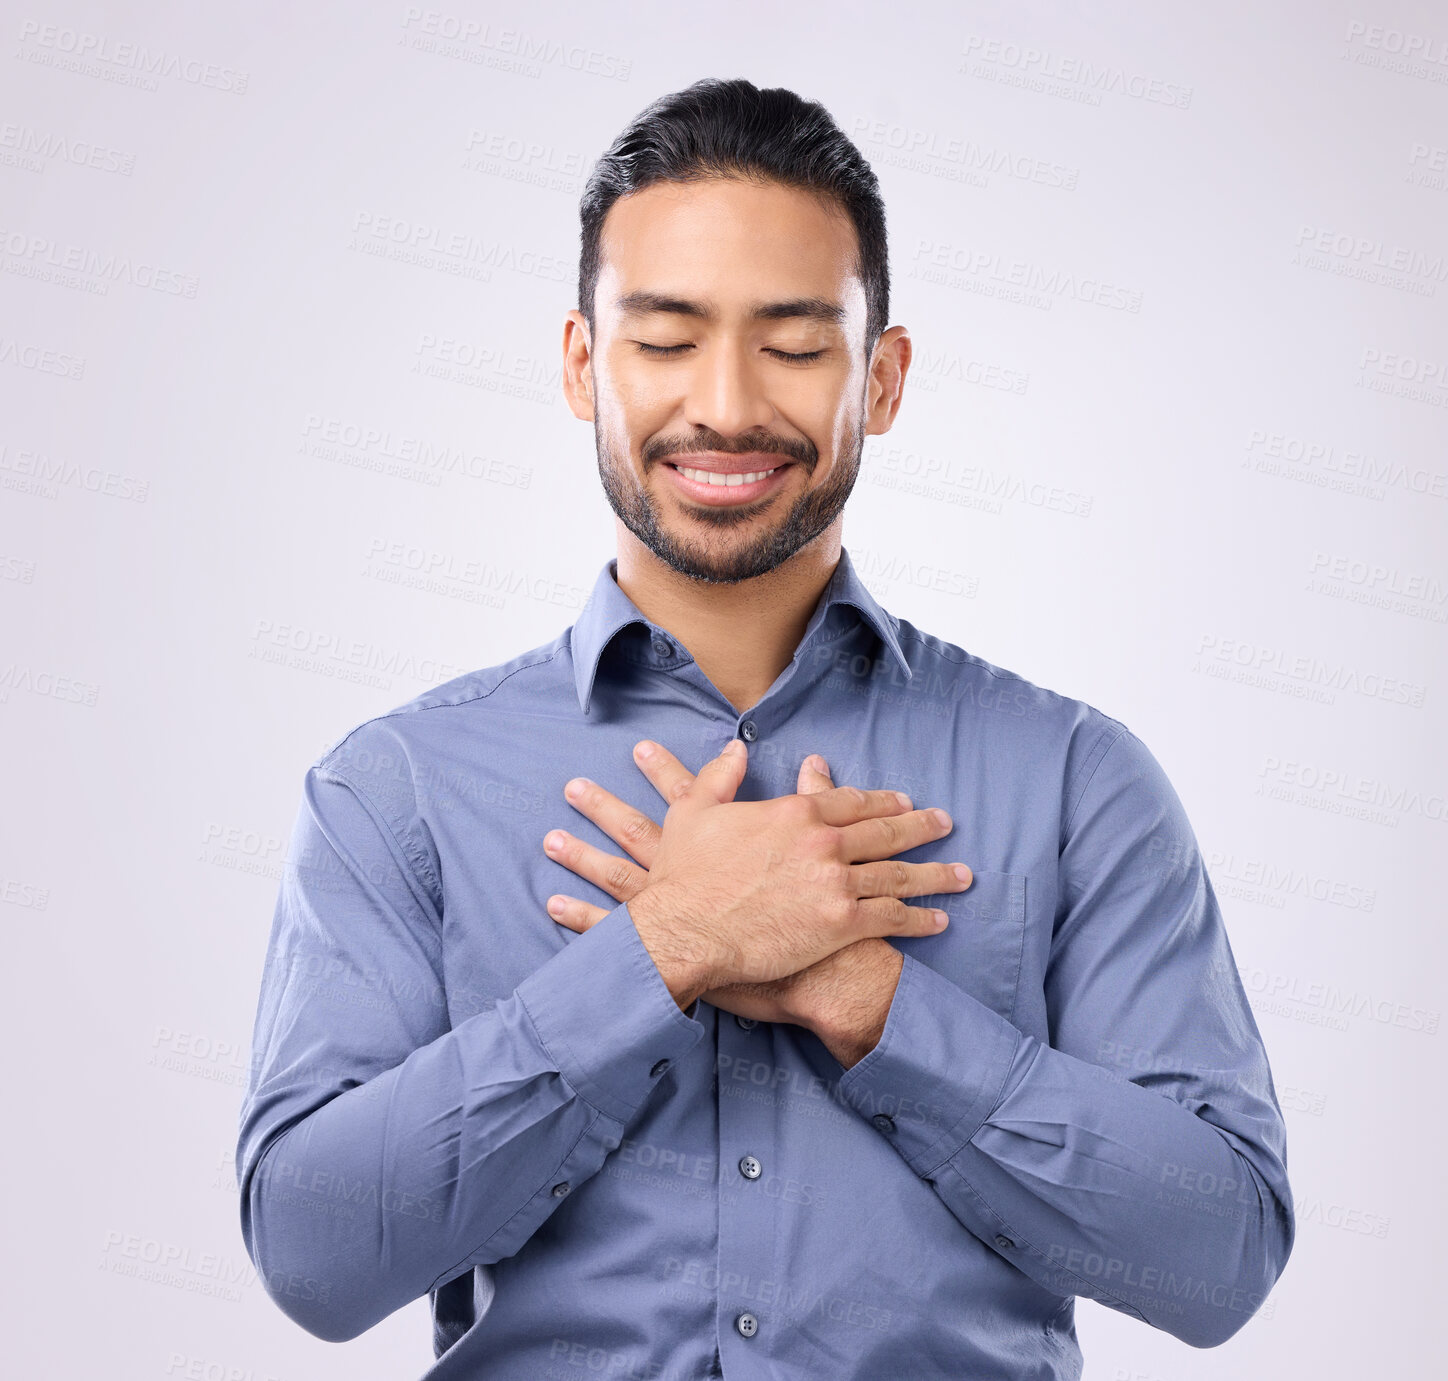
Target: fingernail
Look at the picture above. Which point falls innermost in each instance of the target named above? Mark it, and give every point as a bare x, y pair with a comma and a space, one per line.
553, 841
941, 818
735, 745
575, 787
816, 762
645, 749
904, 800
555, 906
962, 872
941, 920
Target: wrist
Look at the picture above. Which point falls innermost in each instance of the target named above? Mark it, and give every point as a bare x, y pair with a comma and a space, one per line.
849, 1009
686, 970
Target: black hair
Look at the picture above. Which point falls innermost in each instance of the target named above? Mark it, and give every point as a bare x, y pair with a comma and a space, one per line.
718, 128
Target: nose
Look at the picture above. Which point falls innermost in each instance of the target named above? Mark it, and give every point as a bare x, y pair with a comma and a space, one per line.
726, 393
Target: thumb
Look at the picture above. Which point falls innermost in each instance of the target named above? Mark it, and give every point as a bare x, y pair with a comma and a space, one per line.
814, 775
720, 777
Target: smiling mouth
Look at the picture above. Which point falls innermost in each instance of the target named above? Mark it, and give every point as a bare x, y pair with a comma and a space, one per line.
719, 481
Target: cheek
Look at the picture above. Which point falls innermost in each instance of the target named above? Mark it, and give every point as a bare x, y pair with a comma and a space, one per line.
838, 429
644, 399
831, 412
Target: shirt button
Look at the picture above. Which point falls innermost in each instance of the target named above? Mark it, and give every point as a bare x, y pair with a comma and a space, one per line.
663, 647
884, 1122
746, 1023
748, 732
658, 1069
747, 1325
750, 1168
559, 1190
1004, 1243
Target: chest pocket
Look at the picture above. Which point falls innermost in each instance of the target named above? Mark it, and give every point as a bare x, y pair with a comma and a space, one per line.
981, 949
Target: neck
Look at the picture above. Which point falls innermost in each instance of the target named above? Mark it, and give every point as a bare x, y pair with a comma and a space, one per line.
741, 635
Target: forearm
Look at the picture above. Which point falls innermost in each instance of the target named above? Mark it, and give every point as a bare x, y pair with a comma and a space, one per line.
455, 1156
848, 1006
445, 1161
1086, 1182
686, 968
1123, 1194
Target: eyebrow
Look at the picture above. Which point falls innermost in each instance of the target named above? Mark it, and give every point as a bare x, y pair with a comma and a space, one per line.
642, 302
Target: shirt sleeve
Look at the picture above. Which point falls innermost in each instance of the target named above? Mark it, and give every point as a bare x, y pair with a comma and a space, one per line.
383, 1151
1139, 1158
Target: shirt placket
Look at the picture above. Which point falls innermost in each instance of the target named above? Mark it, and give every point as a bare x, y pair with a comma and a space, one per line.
752, 1074
748, 1090
753, 1071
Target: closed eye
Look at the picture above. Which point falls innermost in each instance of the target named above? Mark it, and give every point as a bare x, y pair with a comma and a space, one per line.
665, 351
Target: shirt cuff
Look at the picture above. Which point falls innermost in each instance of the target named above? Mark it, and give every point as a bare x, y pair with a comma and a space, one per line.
937, 1071
606, 1016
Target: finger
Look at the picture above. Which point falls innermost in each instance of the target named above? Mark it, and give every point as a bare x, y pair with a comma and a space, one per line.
718, 779
620, 822
885, 916
896, 878
573, 913
845, 805
884, 836
670, 778
617, 876
814, 776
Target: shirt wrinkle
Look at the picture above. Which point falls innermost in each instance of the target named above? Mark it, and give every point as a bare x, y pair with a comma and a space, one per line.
453, 1096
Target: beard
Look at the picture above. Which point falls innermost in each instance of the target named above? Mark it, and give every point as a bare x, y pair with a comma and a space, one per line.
768, 545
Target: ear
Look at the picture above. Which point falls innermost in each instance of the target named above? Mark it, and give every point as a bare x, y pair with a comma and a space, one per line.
577, 366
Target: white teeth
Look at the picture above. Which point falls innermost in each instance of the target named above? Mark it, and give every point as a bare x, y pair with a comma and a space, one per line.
724, 481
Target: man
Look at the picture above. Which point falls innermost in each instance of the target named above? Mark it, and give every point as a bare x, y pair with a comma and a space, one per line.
745, 1108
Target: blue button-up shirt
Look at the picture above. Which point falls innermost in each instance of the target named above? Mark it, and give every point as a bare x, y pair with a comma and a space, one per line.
451, 1094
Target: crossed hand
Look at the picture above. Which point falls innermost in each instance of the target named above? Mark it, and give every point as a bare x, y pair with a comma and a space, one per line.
802, 872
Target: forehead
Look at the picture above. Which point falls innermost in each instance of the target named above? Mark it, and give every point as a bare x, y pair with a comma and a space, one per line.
730, 245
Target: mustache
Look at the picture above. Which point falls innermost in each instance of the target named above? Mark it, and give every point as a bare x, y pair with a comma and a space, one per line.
802, 451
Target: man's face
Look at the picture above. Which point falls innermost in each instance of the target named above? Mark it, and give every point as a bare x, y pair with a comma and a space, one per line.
729, 336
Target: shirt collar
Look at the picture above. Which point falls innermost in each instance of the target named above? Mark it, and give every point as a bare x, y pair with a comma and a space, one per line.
609, 611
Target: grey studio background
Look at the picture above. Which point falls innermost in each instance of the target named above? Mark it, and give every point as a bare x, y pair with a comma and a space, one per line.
282, 444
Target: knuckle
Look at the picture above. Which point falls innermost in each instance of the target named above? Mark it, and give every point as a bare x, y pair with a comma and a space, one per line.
818, 840
617, 877
800, 811
841, 910
638, 829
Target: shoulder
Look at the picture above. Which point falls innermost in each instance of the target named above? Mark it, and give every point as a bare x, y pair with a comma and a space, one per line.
392, 761
1088, 754
399, 742
1036, 715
